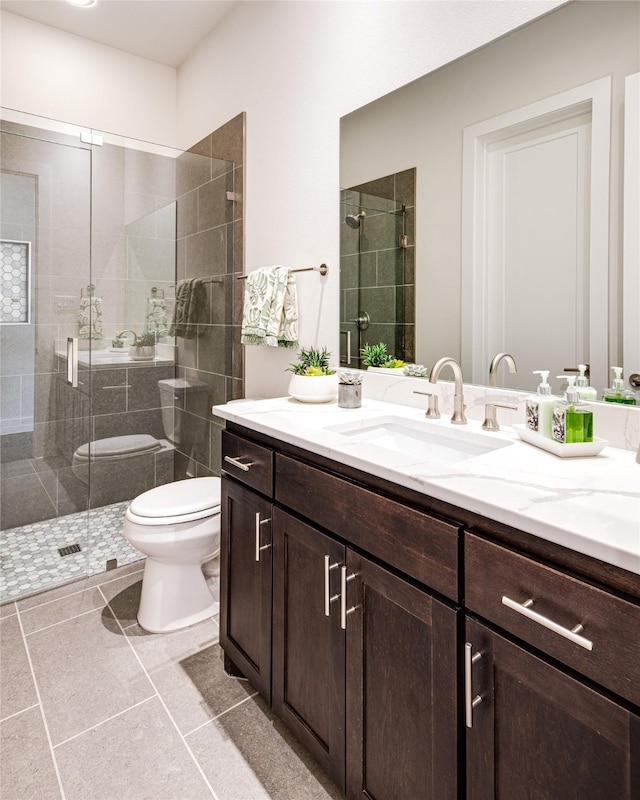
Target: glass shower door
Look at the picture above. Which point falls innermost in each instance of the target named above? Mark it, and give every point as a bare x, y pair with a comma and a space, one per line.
45, 218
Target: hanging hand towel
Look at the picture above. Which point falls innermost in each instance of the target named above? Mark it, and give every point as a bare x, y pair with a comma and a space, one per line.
156, 315
270, 314
90, 318
191, 308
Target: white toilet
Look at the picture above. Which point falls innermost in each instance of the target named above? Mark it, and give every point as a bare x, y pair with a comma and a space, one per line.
177, 527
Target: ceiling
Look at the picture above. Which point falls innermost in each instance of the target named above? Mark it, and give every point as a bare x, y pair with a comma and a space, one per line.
164, 31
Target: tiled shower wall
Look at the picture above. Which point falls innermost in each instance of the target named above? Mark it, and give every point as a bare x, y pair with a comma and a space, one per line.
375, 274
210, 243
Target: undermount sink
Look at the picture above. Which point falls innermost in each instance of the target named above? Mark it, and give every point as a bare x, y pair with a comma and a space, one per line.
433, 444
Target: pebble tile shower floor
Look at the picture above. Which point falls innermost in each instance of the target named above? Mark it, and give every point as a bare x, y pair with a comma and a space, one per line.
29, 557
92, 707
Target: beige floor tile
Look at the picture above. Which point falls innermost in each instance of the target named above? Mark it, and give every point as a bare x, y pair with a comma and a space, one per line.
137, 755
248, 754
26, 764
17, 691
7, 609
66, 607
86, 672
123, 596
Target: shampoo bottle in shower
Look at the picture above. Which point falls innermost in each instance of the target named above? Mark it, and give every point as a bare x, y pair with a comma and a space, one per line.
572, 421
539, 406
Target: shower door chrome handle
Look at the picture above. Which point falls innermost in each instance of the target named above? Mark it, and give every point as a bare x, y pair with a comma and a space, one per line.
72, 361
347, 346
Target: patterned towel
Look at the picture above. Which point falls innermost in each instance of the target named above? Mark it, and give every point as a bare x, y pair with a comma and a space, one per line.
156, 319
270, 314
90, 318
191, 309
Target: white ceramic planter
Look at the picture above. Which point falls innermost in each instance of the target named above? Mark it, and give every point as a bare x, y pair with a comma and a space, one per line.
313, 388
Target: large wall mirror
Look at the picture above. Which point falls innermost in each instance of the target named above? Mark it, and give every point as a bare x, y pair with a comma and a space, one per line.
507, 183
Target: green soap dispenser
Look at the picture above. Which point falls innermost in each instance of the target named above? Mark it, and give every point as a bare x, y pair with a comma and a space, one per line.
585, 391
572, 419
539, 406
617, 393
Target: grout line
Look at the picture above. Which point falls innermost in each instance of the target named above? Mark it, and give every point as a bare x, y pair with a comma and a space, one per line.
42, 714
164, 705
222, 713
17, 713
62, 621
80, 591
102, 722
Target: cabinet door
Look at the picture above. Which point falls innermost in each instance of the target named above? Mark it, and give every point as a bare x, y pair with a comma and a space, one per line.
402, 739
245, 583
308, 645
537, 733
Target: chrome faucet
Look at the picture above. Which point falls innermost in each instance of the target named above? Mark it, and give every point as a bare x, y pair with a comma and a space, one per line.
122, 333
458, 417
495, 362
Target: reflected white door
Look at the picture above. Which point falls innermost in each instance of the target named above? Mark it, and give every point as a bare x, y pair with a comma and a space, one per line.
538, 247
535, 233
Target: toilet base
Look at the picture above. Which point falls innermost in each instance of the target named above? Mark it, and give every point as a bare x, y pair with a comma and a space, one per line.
174, 596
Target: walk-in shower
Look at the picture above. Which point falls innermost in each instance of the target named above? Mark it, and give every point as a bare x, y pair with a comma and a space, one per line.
91, 228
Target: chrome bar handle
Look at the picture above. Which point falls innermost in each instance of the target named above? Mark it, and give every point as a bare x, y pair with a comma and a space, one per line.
347, 344
237, 463
344, 612
260, 522
328, 599
469, 703
72, 361
571, 634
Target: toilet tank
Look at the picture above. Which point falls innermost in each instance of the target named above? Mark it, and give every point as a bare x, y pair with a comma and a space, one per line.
179, 393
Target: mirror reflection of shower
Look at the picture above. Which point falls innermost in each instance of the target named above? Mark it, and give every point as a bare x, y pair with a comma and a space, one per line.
377, 267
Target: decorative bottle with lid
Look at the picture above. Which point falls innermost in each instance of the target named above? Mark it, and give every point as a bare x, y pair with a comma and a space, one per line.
572, 421
617, 393
539, 406
585, 391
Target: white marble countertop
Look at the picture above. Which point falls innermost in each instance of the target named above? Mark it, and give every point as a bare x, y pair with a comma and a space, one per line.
591, 505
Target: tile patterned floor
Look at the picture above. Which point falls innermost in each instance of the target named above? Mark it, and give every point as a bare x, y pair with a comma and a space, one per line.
92, 707
29, 557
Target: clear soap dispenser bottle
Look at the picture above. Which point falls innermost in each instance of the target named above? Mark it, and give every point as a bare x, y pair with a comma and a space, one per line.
617, 393
585, 391
572, 419
539, 406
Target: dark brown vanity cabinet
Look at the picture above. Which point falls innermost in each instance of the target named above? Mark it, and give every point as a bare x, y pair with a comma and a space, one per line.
245, 583
536, 732
364, 668
362, 662
535, 729
345, 602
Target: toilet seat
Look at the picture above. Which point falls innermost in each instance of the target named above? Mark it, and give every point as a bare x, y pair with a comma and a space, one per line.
173, 503
116, 447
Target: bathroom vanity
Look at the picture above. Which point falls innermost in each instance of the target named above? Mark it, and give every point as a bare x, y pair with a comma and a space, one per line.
431, 629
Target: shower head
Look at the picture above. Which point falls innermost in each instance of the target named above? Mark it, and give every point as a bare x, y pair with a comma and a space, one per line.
353, 220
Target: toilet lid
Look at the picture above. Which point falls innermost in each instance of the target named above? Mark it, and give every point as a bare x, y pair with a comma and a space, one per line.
179, 498
118, 446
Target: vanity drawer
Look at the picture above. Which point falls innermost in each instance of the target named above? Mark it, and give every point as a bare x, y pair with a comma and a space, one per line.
499, 585
248, 462
421, 546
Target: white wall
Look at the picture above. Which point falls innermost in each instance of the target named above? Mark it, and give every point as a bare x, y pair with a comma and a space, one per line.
50, 73
296, 68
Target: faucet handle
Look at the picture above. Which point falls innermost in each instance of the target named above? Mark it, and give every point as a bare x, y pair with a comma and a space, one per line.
490, 415
432, 407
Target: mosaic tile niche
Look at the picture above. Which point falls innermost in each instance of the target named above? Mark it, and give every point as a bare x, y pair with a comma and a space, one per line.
14, 282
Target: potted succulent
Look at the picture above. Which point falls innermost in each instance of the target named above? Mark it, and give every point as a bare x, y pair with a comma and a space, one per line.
376, 358
349, 388
143, 347
313, 380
